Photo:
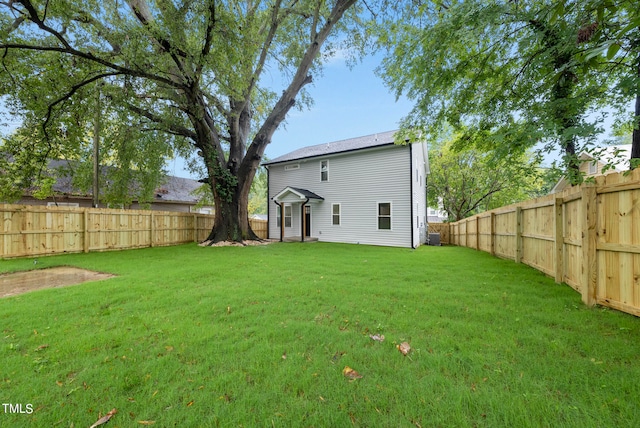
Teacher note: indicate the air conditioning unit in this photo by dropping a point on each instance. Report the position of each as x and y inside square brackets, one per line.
[434, 239]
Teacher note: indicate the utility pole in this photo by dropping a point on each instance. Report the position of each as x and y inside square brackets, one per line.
[96, 153]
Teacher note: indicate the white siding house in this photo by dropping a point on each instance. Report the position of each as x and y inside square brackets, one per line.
[364, 190]
[615, 158]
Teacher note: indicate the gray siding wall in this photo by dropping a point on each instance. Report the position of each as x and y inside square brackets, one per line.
[420, 160]
[358, 181]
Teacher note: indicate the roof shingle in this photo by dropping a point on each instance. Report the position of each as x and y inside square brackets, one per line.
[365, 142]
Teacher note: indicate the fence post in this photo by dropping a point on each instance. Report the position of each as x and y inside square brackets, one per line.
[518, 256]
[477, 232]
[86, 230]
[589, 261]
[151, 228]
[559, 239]
[492, 231]
[195, 228]
[466, 233]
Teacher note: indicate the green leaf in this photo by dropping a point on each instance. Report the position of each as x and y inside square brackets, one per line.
[613, 50]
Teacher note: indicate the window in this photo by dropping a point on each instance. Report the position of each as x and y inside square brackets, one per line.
[287, 216]
[384, 216]
[324, 170]
[593, 167]
[335, 214]
[208, 211]
[292, 167]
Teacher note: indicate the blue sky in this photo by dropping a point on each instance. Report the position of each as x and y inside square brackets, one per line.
[347, 103]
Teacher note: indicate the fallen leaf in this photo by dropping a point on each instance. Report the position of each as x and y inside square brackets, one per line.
[284, 355]
[404, 347]
[41, 347]
[103, 420]
[377, 337]
[351, 373]
[190, 403]
[146, 422]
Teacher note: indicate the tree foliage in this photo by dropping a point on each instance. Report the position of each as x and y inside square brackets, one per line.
[464, 182]
[614, 35]
[515, 69]
[183, 76]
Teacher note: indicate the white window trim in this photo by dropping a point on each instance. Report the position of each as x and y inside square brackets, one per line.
[593, 167]
[339, 214]
[328, 178]
[290, 215]
[279, 216]
[390, 215]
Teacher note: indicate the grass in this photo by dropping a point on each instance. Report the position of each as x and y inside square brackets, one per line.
[191, 336]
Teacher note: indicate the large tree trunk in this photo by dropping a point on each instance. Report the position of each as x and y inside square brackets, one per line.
[231, 213]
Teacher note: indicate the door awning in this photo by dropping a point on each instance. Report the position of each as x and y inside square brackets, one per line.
[295, 194]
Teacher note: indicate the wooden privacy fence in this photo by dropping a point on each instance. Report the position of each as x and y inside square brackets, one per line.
[442, 229]
[37, 230]
[587, 237]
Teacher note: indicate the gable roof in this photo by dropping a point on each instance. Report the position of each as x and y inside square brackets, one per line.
[615, 156]
[342, 146]
[170, 189]
[300, 193]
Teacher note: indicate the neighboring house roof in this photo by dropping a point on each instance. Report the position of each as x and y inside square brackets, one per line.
[172, 189]
[617, 157]
[342, 146]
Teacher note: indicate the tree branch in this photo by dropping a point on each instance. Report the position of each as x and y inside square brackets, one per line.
[91, 57]
[75, 88]
[141, 10]
[208, 37]
[172, 128]
[33, 17]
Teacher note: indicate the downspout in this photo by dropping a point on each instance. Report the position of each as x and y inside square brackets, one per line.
[268, 210]
[281, 219]
[411, 192]
[304, 220]
[427, 171]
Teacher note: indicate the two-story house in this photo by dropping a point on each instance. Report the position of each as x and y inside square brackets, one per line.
[364, 190]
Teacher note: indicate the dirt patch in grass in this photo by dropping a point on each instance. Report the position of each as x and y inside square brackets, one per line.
[23, 282]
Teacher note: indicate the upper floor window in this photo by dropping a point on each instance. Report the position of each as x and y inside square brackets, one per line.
[324, 170]
[593, 167]
[292, 167]
[384, 216]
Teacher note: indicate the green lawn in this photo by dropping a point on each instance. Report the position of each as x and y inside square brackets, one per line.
[196, 337]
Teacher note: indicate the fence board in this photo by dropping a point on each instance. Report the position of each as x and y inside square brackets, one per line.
[442, 229]
[29, 231]
[587, 237]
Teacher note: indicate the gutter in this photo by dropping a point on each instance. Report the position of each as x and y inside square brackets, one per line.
[304, 218]
[281, 219]
[268, 210]
[411, 192]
